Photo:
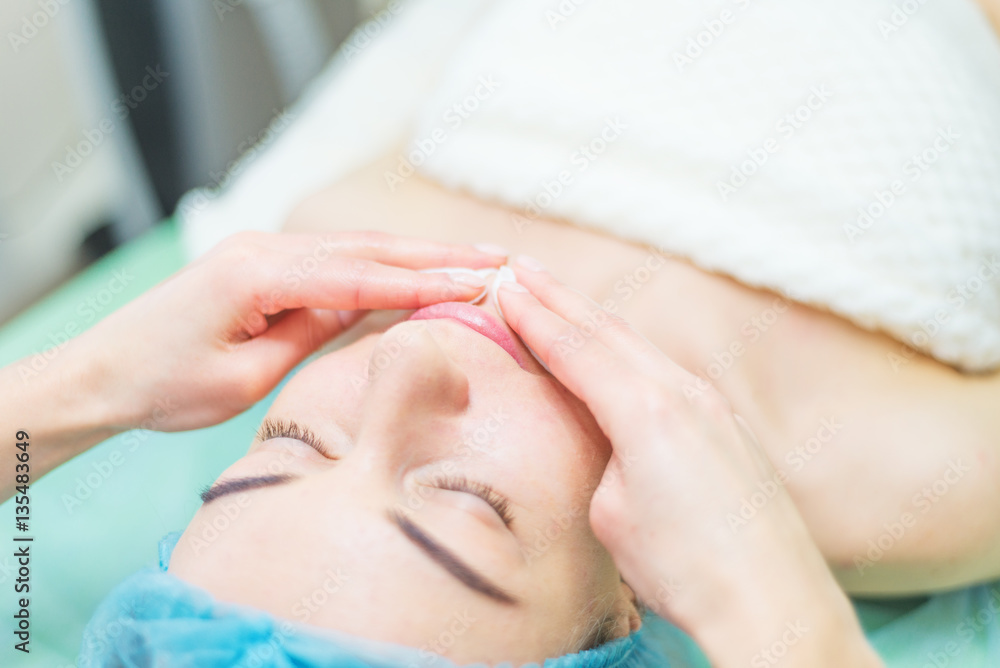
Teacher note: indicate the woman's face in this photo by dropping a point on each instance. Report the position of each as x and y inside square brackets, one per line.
[381, 530]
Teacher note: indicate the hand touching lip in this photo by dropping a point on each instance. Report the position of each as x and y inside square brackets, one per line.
[475, 319]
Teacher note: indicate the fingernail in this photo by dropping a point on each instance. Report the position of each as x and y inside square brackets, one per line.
[506, 280]
[463, 276]
[470, 280]
[529, 262]
[492, 249]
[504, 275]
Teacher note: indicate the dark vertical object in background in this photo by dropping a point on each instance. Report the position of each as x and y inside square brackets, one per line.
[99, 242]
[134, 44]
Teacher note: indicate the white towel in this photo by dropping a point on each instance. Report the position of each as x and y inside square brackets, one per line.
[844, 153]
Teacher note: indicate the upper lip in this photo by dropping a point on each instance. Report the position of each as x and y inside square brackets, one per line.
[477, 320]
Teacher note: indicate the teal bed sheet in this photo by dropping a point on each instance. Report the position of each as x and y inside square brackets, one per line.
[98, 518]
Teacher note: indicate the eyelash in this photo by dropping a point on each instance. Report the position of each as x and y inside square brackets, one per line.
[287, 429]
[462, 484]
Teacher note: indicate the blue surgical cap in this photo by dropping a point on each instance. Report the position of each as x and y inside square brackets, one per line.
[156, 619]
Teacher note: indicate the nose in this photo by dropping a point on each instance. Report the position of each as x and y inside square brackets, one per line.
[415, 400]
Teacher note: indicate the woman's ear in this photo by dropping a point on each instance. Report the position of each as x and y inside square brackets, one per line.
[630, 616]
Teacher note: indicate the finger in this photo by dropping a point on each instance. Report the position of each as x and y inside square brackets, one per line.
[343, 283]
[593, 320]
[586, 366]
[385, 248]
[296, 336]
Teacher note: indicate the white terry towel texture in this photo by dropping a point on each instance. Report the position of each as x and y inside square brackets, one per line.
[846, 154]
[361, 107]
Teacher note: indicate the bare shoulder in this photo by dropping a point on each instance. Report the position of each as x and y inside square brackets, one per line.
[894, 460]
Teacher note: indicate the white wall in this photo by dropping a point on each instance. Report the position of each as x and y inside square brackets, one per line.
[229, 75]
[66, 162]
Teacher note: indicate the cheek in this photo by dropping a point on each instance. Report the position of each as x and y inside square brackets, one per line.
[554, 457]
[222, 542]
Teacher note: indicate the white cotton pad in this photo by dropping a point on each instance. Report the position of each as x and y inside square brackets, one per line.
[451, 271]
[504, 274]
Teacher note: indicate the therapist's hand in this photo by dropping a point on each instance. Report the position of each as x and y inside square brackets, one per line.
[216, 337]
[748, 592]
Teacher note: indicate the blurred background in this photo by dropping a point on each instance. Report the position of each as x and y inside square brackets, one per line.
[112, 109]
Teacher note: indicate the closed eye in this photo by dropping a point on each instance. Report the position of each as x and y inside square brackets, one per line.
[499, 502]
[271, 428]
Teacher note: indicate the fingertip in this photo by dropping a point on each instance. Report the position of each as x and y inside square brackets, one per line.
[468, 280]
[511, 286]
[530, 276]
[504, 276]
[530, 263]
[492, 249]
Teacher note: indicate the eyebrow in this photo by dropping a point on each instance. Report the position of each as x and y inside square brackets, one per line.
[269, 428]
[458, 568]
[445, 558]
[234, 485]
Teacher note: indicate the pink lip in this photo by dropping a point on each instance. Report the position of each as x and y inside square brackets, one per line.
[475, 319]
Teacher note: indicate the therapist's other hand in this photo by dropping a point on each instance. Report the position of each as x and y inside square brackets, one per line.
[681, 466]
[216, 337]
